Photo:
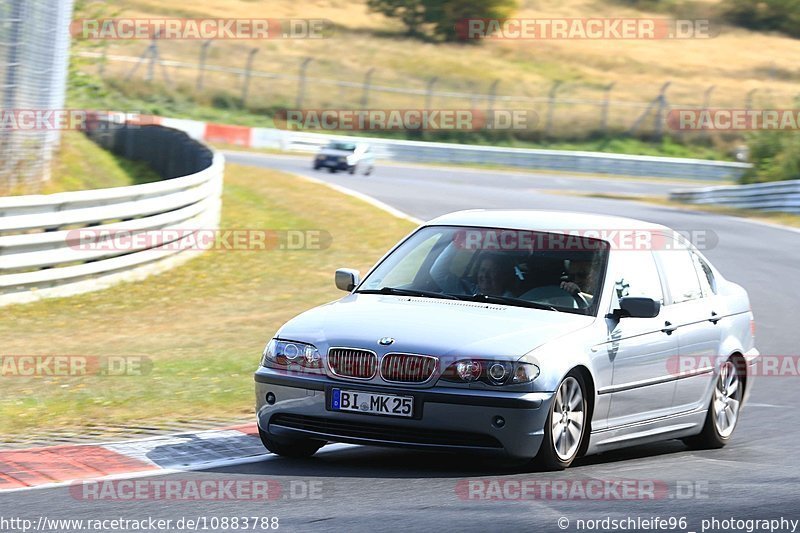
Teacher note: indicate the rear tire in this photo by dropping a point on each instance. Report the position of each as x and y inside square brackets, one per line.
[294, 448]
[723, 412]
[565, 428]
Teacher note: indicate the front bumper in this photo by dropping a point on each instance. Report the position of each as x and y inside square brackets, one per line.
[751, 359]
[334, 164]
[450, 419]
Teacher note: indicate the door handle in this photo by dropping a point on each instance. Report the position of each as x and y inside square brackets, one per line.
[669, 327]
[714, 318]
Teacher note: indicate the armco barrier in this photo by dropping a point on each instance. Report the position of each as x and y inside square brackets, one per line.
[559, 160]
[38, 257]
[434, 152]
[774, 196]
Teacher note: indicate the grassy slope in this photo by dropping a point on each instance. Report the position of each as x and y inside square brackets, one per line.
[79, 164]
[203, 324]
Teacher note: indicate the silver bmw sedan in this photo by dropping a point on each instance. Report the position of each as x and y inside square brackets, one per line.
[540, 335]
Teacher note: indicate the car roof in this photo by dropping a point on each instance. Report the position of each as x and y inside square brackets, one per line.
[541, 220]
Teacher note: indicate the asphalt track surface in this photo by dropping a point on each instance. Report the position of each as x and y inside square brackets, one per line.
[757, 476]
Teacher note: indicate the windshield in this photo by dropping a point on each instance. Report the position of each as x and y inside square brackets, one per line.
[512, 267]
[348, 147]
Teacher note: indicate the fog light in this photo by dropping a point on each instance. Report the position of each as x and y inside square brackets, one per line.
[498, 422]
[270, 398]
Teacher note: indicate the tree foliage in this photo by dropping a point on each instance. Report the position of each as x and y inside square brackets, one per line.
[775, 156]
[765, 15]
[441, 18]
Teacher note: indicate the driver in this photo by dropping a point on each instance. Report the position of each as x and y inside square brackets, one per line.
[580, 278]
[494, 275]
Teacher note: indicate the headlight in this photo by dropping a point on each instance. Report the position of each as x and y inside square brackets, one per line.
[320, 157]
[291, 355]
[342, 159]
[491, 372]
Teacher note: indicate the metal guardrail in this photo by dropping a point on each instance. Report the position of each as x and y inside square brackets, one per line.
[558, 160]
[774, 196]
[39, 255]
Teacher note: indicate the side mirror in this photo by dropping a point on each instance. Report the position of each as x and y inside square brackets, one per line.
[636, 307]
[347, 279]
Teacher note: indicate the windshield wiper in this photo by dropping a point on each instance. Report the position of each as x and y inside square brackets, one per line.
[409, 292]
[508, 300]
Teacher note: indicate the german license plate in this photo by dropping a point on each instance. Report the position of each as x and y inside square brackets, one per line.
[372, 403]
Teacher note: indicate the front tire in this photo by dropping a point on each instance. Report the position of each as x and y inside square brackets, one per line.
[294, 448]
[566, 425]
[723, 413]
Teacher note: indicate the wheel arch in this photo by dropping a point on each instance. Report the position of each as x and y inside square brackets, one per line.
[591, 397]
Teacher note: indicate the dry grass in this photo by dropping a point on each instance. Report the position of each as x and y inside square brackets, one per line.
[735, 62]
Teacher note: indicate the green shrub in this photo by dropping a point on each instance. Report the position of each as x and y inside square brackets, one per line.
[775, 156]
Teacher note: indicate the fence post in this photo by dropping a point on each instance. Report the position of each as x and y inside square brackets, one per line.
[658, 126]
[201, 68]
[152, 51]
[748, 99]
[101, 71]
[247, 70]
[550, 107]
[367, 83]
[301, 87]
[604, 110]
[707, 97]
[429, 94]
[490, 105]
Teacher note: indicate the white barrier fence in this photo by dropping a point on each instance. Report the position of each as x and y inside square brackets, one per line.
[40, 255]
[774, 196]
[435, 152]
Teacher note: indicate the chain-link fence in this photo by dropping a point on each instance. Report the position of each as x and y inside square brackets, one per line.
[236, 78]
[34, 48]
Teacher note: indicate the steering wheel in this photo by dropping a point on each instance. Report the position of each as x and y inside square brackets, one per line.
[555, 295]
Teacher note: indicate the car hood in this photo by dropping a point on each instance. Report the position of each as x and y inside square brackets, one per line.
[430, 326]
